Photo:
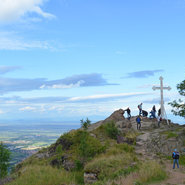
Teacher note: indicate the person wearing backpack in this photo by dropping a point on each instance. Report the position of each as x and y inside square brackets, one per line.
[138, 121]
[128, 113]
[140, 108]
[175, 156]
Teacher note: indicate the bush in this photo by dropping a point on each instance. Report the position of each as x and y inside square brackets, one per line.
[4, 160]
[78, 165]
[87, 146]
[85, 124]
[111, 130]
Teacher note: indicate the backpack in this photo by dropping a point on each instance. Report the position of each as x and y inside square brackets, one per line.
[138, 120]
[175, 155]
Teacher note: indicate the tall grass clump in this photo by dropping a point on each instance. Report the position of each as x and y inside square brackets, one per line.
[109, 166]
[144, 174]
[43, 175]
[182, 160]
[111, 130]
[151, 172]
[86, 146]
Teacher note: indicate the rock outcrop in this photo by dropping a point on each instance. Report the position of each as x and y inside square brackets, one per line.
[116, 116]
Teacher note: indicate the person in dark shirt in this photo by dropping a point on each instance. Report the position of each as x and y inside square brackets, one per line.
[140, 108]
[159, 112]
[144, 113]
[128, 113]
[154, 111]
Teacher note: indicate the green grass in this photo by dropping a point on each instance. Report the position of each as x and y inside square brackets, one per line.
[170, 134]
[182, 160]
[43, 175]
[115, 162]
[142, 174]
[151, 172]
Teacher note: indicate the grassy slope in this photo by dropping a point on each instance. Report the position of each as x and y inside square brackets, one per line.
[94, 152]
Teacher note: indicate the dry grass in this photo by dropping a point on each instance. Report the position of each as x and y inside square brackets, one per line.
[148, 172]
[43, 175]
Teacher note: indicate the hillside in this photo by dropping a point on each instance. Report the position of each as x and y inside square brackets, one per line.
[110, 152]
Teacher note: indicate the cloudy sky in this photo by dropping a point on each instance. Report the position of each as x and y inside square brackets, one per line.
[68, 59]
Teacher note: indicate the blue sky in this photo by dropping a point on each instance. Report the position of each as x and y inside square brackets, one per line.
[67, 59]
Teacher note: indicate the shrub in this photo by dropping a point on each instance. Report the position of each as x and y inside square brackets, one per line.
[85, 124]
[111, 130]
[4, 160]
[87, 146]
[78, 165]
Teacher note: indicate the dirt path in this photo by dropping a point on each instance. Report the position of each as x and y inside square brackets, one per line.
[175, 176]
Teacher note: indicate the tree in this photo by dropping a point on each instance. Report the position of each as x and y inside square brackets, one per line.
[4, 160]
[85, 124]
[179, 105]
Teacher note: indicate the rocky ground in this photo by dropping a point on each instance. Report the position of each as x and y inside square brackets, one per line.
[155, 142]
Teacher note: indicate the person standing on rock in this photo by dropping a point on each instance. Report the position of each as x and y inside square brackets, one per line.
[175, 156]
[138, 121]
[154, 111]
[159, 112]
[140, 108]
[128, 113]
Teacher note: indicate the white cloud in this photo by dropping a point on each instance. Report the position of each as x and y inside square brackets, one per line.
[63, 86]
[28, 108]
[1, 111]
[14, 9]
[18, 44]
[106, 96]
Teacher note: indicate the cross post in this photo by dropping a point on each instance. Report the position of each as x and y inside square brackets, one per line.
[161, 88]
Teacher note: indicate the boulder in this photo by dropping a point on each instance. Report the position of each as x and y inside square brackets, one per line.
[121, 139]
[90, 178]
[116, 116]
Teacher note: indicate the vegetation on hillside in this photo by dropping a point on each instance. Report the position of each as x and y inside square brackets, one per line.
[179, 105]
[4, 160]
[91, 152]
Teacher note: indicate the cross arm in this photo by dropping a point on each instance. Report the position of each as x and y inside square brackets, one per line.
[155, 88]
[168, 88]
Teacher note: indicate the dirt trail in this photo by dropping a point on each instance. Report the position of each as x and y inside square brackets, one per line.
[175, 176]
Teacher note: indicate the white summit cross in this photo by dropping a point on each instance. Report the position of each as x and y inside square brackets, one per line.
[162, 98]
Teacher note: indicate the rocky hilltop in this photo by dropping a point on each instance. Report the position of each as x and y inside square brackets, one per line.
[111, 151]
